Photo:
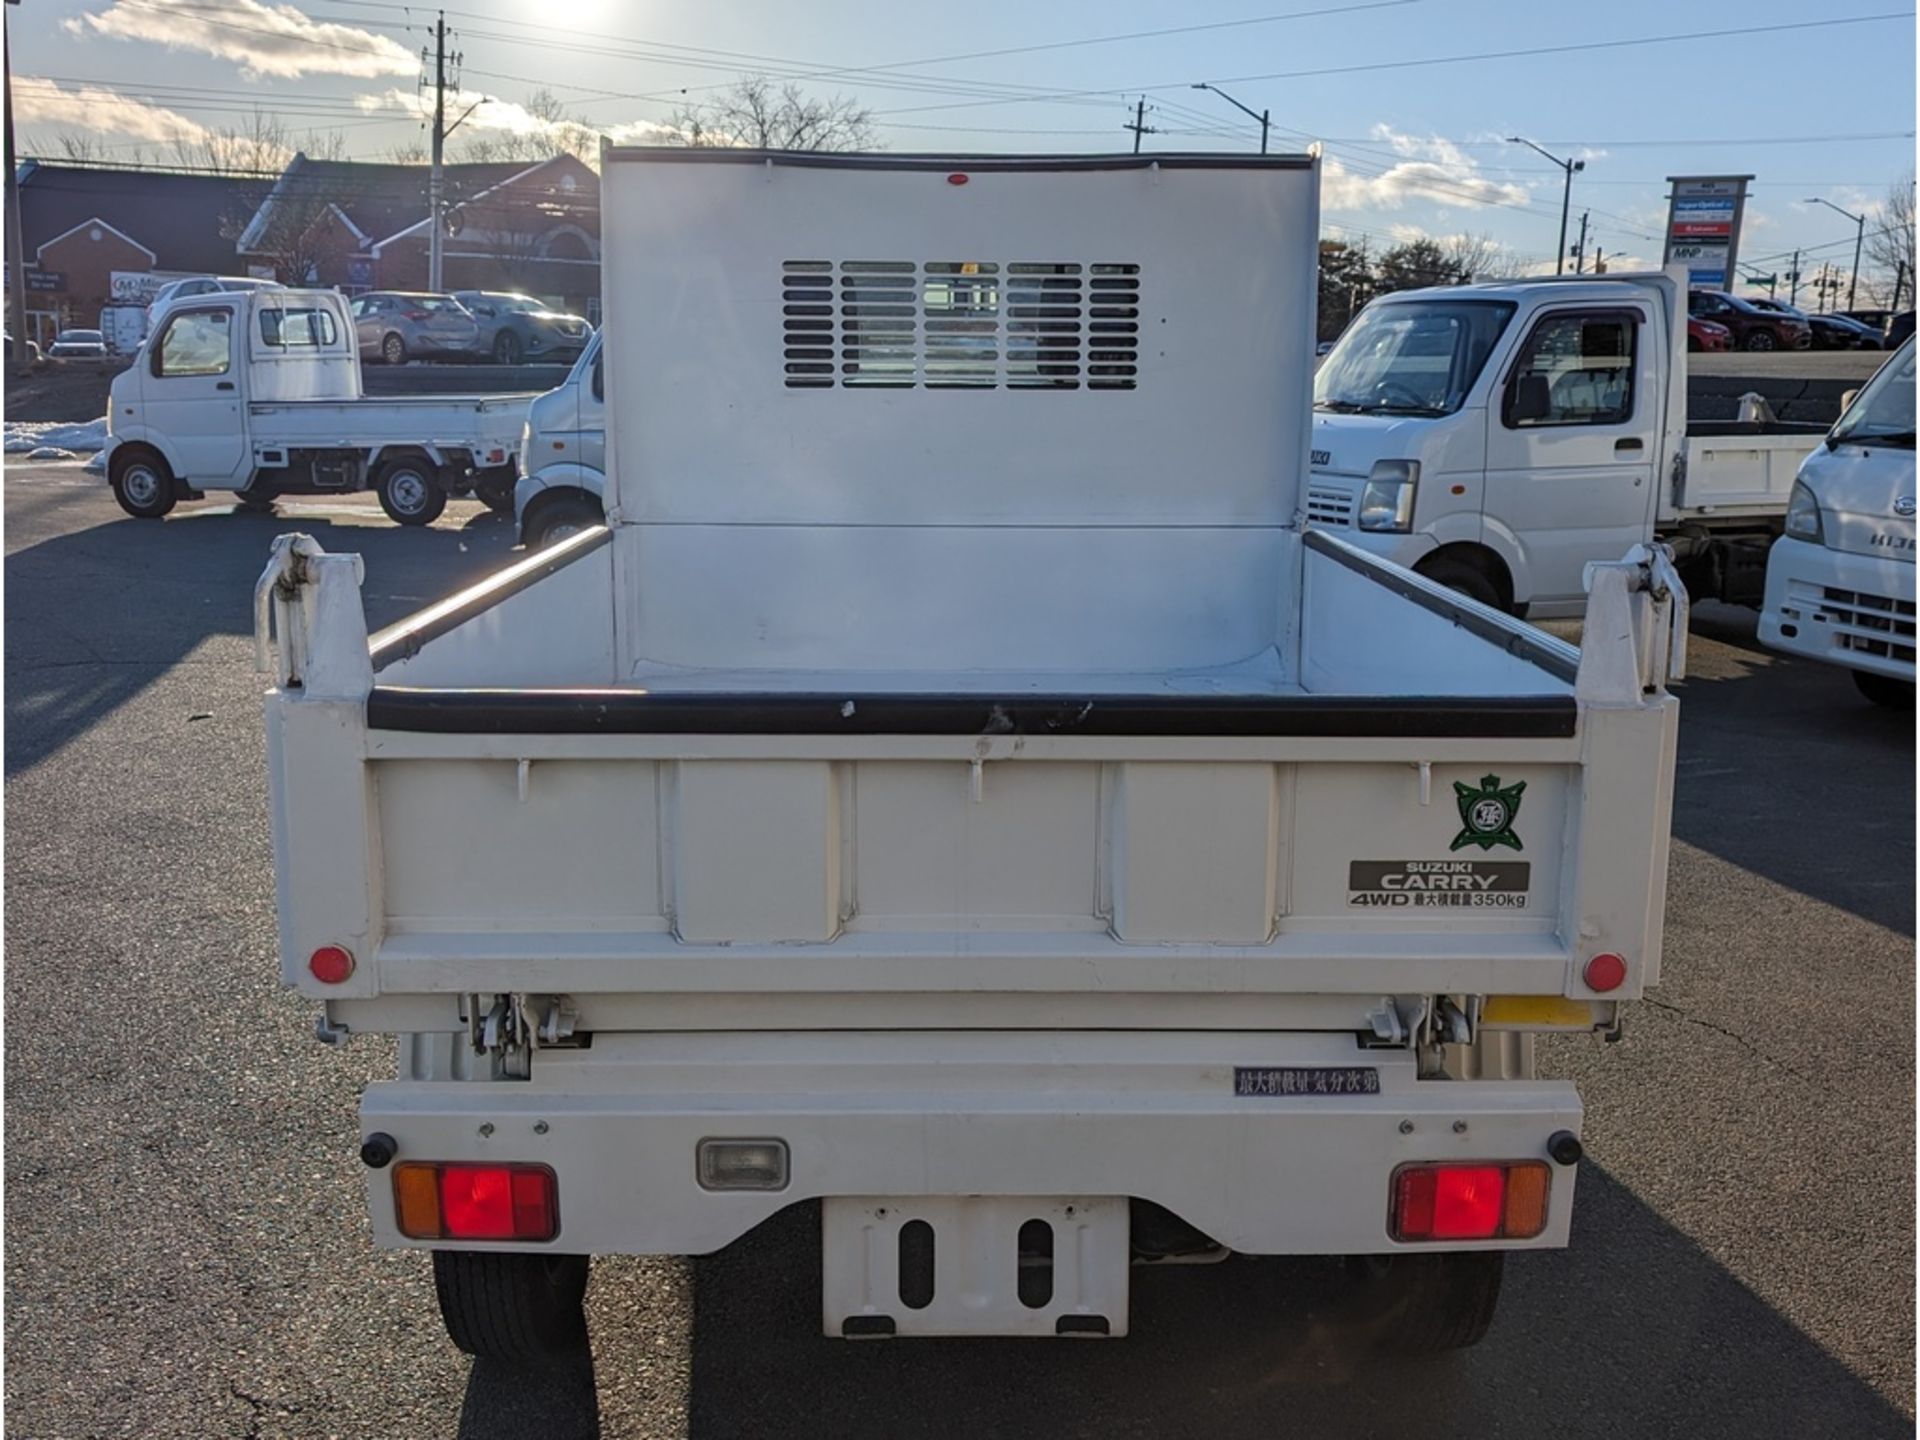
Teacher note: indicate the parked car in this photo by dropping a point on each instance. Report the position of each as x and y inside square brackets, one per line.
[79, 345]
[395, 326]
[1830, 331]
[1705, 335]
[205, 285]
[1753, 328]
[33, 350]
[514, 328]
[1875, 320]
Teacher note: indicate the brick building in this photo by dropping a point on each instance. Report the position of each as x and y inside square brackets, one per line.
[100, 235]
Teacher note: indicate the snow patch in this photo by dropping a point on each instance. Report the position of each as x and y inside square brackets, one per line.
[51, 452]
[29, 438]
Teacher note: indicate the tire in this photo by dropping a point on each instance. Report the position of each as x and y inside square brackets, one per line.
[1760, 340]
[506, 348]
[519, 1309]
[557, 519]
[1430, 1304]
[260, 504]
[1694, 345]
[143, 484]
[409, 491]
[1463, 579]
[1884, 690]
[494, 489]
[393, 350]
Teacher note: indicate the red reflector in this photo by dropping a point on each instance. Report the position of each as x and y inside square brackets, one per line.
[956, 179]
[1449, 1202]
[1605, 972]
[498, 1202]
[330, 964]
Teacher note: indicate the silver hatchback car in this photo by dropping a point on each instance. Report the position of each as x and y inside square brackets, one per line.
[395, 326]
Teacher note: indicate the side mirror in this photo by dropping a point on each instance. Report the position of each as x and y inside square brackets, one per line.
[1529, 400]
[1847, 397]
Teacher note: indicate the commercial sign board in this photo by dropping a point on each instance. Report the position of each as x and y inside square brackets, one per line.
[54, 280]
[1703, 227]
[134, 287]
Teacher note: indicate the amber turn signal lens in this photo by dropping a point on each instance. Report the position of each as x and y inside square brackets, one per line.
[1526, 1213]
[416, 1201]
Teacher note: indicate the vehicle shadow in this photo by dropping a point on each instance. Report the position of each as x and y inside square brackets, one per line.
[1786, 771]
[557, 1402]
[1634, 1330]
[95, 616]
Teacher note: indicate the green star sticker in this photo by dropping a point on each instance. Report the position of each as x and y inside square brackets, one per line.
[1486, 814]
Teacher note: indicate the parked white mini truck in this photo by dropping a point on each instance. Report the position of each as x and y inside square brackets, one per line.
[958, 790]
[563, 455]
[1840, 582]
[1498, 438]
[259, 392]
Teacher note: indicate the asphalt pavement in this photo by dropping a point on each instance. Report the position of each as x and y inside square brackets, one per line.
[186, 1245]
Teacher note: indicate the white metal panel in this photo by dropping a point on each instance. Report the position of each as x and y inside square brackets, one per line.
[937, 600]
[476, 841]
[755, 850]
[930, 856]
[1735, 475]
[1197, 852]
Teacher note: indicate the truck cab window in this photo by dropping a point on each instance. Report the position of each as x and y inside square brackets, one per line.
[1575, 369]
[1417, 357]
[195, 343]
[304, 329]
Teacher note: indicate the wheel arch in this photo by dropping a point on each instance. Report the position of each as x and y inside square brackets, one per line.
[1482, 558]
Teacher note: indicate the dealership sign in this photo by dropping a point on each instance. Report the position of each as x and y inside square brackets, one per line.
[1703, 227]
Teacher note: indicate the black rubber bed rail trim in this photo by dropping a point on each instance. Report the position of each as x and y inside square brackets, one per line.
[1516, 637]
[398, 642]
[636, 712]
[979, 164]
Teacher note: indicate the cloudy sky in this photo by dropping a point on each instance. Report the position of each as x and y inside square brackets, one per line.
[1413, 99]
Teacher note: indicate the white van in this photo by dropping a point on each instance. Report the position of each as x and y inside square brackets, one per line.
[1840, 581]
[563, 456]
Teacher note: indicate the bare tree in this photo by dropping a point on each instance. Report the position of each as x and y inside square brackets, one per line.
[297, 231]
[760, 115]
[554, 132]
[1890, 243]
[1474, 257]
[85, 148]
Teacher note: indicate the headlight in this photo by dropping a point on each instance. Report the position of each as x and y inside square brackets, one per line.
[1387, 501]
[1803, 515]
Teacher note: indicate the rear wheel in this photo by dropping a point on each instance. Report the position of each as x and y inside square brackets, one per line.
[1760, 340]
[393, 349]
[410, 492]
[1885, 690]
[513, 1308]
[494, 488]
[506, 348]
[1463, 579]
[1429, 1304]
[142, 483]
[557, 519]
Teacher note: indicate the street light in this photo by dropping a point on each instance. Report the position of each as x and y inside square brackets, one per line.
[1566, 198]
[1262, 116]
[1859, 238]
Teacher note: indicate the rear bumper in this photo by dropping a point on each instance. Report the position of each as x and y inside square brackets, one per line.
[1850, 610]
[1150, 1115]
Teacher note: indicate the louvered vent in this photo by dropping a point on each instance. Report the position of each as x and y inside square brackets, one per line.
[961, 324]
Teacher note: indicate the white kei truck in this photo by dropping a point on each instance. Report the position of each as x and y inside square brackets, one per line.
[563, 455]
[1840, 582]
[259, 392]
[959, 789]
[1498, 438]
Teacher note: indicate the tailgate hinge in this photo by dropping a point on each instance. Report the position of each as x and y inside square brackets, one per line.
[516, 1025]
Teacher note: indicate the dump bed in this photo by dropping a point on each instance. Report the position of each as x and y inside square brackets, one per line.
[955, 656]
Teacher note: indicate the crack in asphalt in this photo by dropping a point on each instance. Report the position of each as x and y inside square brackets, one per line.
[1733, 1035]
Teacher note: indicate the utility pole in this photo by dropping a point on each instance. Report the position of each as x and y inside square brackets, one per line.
[1265, 117]
[1566, 197]
[1793, 279]
[436, 242]
[1139, 125]
[1580, 250]
[16, 242]
[1859, 239]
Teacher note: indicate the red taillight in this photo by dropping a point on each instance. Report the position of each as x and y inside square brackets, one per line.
[1469, 1202]
[1605, 972]
[331, 964]
[476, 1202]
